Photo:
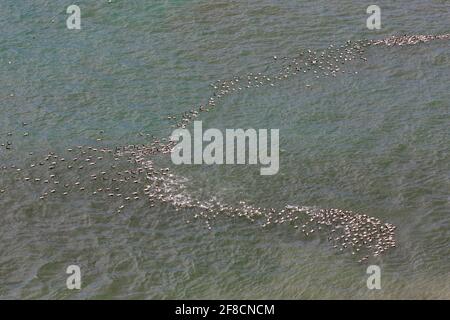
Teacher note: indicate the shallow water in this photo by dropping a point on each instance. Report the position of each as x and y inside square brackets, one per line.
[375, 142]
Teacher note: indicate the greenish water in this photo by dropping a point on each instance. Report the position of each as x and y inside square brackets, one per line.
[376, 142]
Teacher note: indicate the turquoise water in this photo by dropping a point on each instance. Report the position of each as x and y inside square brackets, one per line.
[375, 142]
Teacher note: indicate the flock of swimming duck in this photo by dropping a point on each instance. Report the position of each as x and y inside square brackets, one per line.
[128, 174]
